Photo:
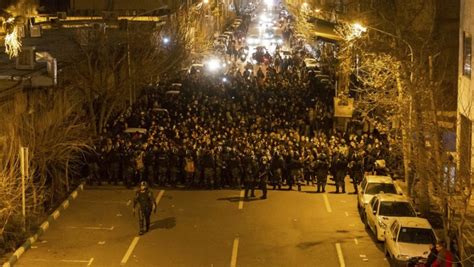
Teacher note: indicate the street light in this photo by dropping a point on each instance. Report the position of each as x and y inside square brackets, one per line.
[166, 40]
[358, 29]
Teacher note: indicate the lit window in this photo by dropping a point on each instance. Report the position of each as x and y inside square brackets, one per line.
[467, 52]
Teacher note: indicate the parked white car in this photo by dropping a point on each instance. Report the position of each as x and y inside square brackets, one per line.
[383, 209]
[407, 238]
[372, 185]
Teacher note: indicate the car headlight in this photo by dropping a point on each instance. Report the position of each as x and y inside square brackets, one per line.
[403, 257]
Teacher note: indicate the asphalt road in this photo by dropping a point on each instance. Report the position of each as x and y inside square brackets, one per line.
[209, 228]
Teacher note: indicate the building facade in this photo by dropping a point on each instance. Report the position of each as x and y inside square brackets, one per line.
[465, 116]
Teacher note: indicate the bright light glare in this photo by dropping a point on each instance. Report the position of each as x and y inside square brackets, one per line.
[357, 31]
[269, 2]
[224, 79]
[213, 64]
[358, 27]
[205, 1]
[166, 40]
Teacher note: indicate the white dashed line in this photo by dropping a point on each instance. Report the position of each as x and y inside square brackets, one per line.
[160, 195]
[356, 241]
[347, 213]
[340, 255]
[90, 262]
[130, 250]
[235, 248]
[326, 202]
[241, 201]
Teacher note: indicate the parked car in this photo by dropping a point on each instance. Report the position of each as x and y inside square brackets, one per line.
[372, 185]
[383, 209]
[408, 238]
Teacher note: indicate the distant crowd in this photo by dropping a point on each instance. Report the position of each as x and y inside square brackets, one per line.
[270, 126]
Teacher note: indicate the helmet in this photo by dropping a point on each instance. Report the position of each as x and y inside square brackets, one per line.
[144, 183]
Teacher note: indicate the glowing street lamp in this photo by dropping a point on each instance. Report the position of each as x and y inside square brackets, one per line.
[358, 29]
[166, 40]
[213, 65]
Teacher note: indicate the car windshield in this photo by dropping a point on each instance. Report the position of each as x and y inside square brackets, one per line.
[375, 188]
[416, 235]
[397, 209]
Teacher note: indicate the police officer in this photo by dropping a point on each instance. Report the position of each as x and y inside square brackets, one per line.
[277, 167]
[250, 167]
[263, 173]
[322, 172]
[146, 202]
[357, 170]
[341, 171]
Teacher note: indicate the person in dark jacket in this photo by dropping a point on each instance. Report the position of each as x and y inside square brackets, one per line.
[146, 203]
[322, 172]
[341, 172]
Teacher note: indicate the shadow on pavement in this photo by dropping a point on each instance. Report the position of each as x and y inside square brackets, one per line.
[231, 199]
[306, 245]
[166, 223]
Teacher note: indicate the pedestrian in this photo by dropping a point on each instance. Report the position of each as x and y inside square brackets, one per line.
[263, 173]
[146, 203]
[341, 171]
[322, 172]
[444, 257]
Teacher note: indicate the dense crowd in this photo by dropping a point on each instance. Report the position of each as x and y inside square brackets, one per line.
[239, 128]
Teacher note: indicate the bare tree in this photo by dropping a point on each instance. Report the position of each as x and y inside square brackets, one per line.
[398, 83]
[52, 130]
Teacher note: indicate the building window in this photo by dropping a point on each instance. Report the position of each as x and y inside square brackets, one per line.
[467, 52]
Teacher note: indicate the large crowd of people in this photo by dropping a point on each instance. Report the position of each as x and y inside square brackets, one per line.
[245, 127]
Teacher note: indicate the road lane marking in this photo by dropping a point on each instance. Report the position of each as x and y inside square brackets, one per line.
[235, 248]
[326, 202]
[347, 214]
[241, 201]
[92, 228]
[90, 262]
[68, 261]
[130, 250]
[102, 202]
[339, 255]
[160, 195]
[356, 241]
[129, 202]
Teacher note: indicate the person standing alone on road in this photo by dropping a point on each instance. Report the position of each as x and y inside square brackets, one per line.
[146, 202]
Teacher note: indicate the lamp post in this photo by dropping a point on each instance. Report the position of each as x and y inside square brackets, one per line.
[165, 41]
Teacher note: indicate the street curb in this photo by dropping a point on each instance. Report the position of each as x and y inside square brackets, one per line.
[43, 227]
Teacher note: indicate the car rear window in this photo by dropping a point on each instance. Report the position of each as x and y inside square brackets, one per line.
[416, 235]
[376, 188]
[396, 209]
